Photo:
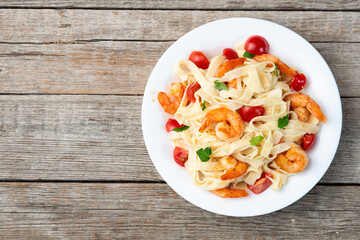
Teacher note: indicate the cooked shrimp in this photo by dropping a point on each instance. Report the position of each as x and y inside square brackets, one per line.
[229, 193]
[177, 90]
[280, 65]
[302, 113]
[227, 66]
[229, 123]
[303, 100]
[233, 167]
[233, 83]
[295, 160]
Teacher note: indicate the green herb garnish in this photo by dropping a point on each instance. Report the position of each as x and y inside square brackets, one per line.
[220, 85]
[276, 70]
[181, 129]
[256, 140]
[203, 105]
[283, 122]
[204, 154]
[248, 55]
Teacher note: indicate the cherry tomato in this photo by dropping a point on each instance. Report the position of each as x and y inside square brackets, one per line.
[191, 91]
[230, 53]
[261, 184]
[298, 82]
[199, 59]
[307, 141]
[180, 156]
[256, 45]
[171, 124]
[247, 113]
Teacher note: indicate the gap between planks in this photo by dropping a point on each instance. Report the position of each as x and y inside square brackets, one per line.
[183, 9]
[82, 41]
[136, 182]
[105, 94]
[225, 5]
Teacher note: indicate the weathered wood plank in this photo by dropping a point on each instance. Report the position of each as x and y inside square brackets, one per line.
[70, 137]
[154, 211]
[47, 25]
[123, 67]
[188, 4]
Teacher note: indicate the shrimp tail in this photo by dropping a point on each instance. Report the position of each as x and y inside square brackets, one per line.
[314, 109]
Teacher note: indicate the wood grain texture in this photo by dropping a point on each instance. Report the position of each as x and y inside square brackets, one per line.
[91, 137]
[189, 4]
[123, 67]
[154, 211]
[48, 25]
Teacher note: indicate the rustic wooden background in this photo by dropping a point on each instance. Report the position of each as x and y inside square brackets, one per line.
[73, 164]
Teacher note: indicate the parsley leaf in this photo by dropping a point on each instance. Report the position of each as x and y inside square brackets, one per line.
[248, 55]
[220, 85]
[204, 154]
[283, 122]
[203, 106]
[181, 129]
[276, 70]
[256, 140]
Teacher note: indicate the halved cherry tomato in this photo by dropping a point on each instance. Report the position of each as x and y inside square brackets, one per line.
[261, 184]
[256, 45]
[230, 53]
[180, 156]
[171, 124]
[191, 91]
[266, 174]
[298, 81]
[247, 113]
[199, 59]
[307, 141]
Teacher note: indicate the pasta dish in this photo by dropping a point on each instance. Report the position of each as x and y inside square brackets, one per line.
[240, 121]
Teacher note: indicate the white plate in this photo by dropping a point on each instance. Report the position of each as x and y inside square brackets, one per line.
[292, 49]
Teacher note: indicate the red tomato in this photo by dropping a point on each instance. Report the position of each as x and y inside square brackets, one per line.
[265, 174]
[261, 184]
[180, 156]
[247, 113]
[307, 141]
[191, 91]
[256, 45]
[230, 53]
[171, 124]
[298, 81]
[199, 59]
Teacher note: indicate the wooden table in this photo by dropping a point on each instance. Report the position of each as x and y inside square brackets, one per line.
[73, 160]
